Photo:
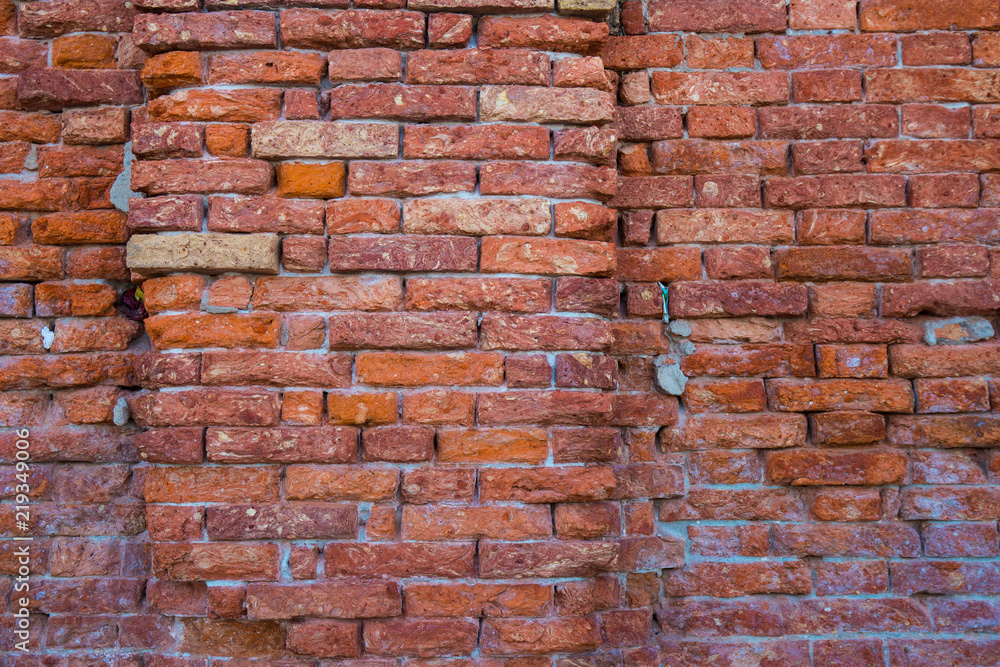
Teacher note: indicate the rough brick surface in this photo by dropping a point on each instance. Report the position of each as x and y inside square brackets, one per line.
[502, 333]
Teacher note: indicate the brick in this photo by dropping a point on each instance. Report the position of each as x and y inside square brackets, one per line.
[894, 15]
[970, 297]
[412, 178]
[303, 482]
[509, 636]
[327, 293]
[952, 261]
[717, 16]
[377, 64]
[330, 639]
[213, 31]
[545, 105]
[718, 88]
[204, 253]
[736, 299]
[893, 156]
[284, 369]
[641, 51]
[545, 33]
[31, 263]
[83, 52]
[818, 395]
[913, 361]
[189, 408]
[739, 579]
[399, 330]
[551, 559]
[835, 191]
[581, 220]
[351, 29]
[53, 89]
[824, 157]
[401, 369]
[266, 67]
[931, 85]
[325, 600]
[547, 485]
[546, 256]
[827, 86]
[257, 214]
[932, 226]
[719, 53]
[544, 332]
[423, 638]
[362, 215]
[195, 176]
[174, 69]
[699, 157]
[315, 139]
[659, 264]
[446, 30]
[929, 121]
[844, 263]
[80, 227]
[939, 48]
[38, 19]
[470, 142]
[308, 180]
[478, 66]
[721, 122]
[822, 14]
[649, 123]
[400, 559]
[861, 121]
[812, 468]
[415, 103]
[490, 600]
[503, 294]
[819, 51]
[428, 485]
[720, 226]
[498, 522]
[403, 253]
[482, 217]
[200, 562]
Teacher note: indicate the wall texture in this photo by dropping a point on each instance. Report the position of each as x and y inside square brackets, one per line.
[422, 278]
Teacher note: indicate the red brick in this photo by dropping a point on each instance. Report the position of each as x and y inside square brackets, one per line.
[478, 66]
[53, 89]
[930, 121]
[719, 53]
[474, 142]
[402, 330]
[422, 638]
[445, 30]
[400, 559]
[327, 293]
[931, 85]
[200, 562]
[625, 53]
[717, 16]
[649, 123]
[901, 16]
[736, 299]
[822, 14]
[719, 226]
[508, 636]
[737, 88]
[737, 579]
[700, 157]
[416, 103]
[352, 29]
[503, 294]
[330, 639]
[545, 33]
[411, 179]
[935, 156]
[820, 51]
[861, 121]
[402, 253]
[583, 558]
[939, 48]
[544, 332]
[721, 122]
[217, 30]
[195, 176]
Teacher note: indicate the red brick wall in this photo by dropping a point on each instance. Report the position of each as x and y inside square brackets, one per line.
[404, 393]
